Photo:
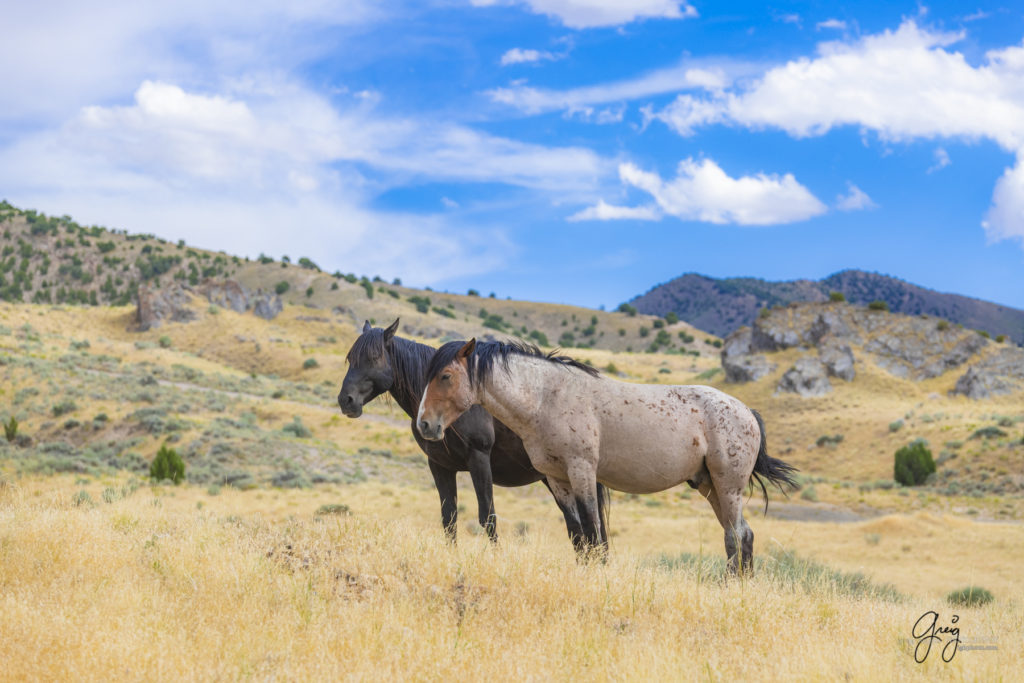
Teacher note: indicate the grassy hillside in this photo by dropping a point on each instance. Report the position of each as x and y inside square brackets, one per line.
[49, 260]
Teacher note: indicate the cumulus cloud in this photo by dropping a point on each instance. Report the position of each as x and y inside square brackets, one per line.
[208, 167]
[106, 49]
[1005, 218]
[702, 191]
[855, 199]
[583, 14]
[609, 212]
[905, 84]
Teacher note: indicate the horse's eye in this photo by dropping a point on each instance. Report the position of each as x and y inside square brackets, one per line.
[446, 376]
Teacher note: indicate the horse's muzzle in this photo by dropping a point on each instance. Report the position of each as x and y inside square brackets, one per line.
[431, 432]
[348, 405]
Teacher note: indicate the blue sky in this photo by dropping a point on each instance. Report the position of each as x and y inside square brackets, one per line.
[578, 151]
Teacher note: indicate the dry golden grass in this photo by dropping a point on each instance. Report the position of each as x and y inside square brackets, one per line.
[155, 587]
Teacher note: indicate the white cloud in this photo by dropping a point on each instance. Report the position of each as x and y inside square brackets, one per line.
[609, 212]
[907, 84]
[1005, 218]
[702, 191]
[285, 168]
[855, 199]
[837, 24]
[520, 56]
[598, 13]
[101, 50]
[693, 75]
[942, 160]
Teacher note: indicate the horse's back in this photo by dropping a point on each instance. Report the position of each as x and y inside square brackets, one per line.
[657, 436]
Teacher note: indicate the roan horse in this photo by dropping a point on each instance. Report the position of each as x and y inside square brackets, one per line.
[580, 429]
[381, 362]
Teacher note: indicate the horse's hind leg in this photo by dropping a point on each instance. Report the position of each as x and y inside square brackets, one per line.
[739, 537]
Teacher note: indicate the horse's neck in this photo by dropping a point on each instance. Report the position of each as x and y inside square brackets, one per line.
[409, 366]
[514, 397]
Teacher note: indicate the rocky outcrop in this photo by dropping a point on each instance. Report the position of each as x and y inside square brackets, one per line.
[266, 305]
[226, 294]
[1001, 373]
[807, 377]
[838, 360]
[154, 306]
[911, 347]
[739, 363]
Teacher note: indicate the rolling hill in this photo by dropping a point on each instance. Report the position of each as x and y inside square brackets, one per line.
[721, 306]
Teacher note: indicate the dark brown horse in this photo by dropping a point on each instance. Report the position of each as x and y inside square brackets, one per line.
[381, 362]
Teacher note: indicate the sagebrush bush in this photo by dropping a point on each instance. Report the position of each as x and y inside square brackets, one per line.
[913, 463]
[167, 465]
[971, 596]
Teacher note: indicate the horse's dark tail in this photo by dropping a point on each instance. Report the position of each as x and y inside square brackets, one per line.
[777, 472]
[604, 501]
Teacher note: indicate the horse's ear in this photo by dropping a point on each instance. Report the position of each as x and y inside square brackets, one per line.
[390, 331]
[467, 349]
[366, 326]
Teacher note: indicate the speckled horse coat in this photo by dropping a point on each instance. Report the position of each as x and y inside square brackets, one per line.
[579, 429]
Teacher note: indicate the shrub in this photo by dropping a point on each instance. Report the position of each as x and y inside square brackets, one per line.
[309, 291]
[837, 297]
[971, 596]
[913, 463]
[764, 313]
[658, 324]
[627, 309]
[988, 433]
[333, 509]
[422, 303]
[942, 325]
[896, 426]
[296, 428]
[809, 494]
[282, 287]
[167, 465]
[685, 338]
[64, 407]
[878, 305]
[826, 440]
[165, 342]
[472, 292]
[539, 337]
[611, 369]
[11, 429]
[644, 331]
[671, 317]
[309, 364]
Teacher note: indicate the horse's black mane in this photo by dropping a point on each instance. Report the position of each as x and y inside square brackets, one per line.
[408, 361]
[485, 354]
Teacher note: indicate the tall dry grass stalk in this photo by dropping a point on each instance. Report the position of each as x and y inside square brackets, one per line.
[135, 590]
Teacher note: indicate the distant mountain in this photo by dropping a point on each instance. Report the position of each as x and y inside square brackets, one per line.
[721, 306]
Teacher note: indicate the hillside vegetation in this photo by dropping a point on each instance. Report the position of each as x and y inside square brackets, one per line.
[722, 305]
[47, 260]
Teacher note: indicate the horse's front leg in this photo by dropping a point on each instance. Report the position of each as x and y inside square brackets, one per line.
[567, 504]
[444, 480]
[583, 481]
[483, 484]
